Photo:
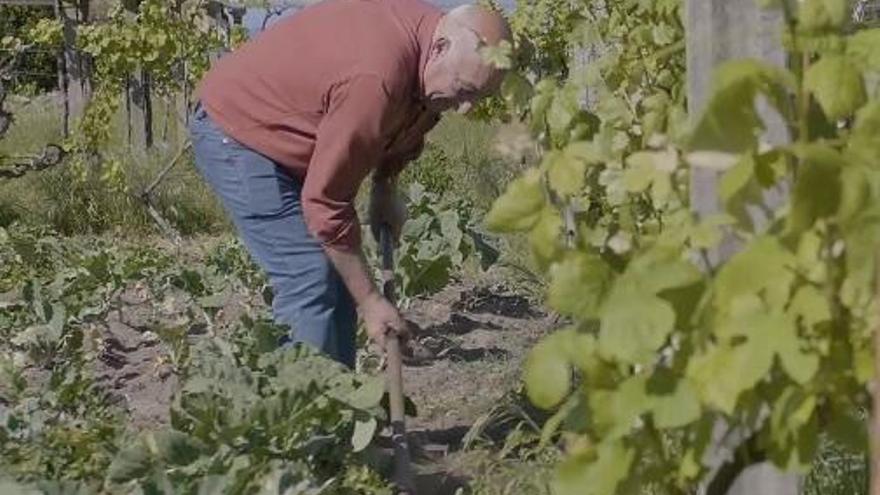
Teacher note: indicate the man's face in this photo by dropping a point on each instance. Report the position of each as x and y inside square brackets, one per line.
[455, 75]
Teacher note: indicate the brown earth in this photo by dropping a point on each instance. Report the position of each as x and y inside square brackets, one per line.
[470, 339]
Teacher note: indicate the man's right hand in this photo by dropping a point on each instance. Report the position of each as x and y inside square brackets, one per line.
[381, 318]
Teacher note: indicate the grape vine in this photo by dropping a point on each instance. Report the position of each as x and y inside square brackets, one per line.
[777, 341]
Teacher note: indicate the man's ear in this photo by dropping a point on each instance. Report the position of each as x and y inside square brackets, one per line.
[440, 47]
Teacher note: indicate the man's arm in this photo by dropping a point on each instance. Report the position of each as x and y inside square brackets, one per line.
[350, 141]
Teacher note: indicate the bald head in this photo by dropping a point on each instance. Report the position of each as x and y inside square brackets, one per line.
[488, 25]
[456, 74]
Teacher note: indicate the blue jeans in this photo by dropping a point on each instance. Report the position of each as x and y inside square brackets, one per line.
[263, 200]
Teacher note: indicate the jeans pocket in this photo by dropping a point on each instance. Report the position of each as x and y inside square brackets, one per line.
[262, 188]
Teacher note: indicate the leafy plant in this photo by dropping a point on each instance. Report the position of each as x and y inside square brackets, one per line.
[436, 240]
[774, 344]
[248, 416]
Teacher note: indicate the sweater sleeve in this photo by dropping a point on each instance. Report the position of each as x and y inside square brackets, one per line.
[350, 142]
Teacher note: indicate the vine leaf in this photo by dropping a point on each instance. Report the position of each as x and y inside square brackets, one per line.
[837, 85]
[519, 208]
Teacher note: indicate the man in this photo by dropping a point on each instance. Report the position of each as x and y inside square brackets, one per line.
[289, 125]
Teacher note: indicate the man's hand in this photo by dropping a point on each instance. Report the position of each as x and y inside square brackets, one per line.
[387, 207]
[381, 318]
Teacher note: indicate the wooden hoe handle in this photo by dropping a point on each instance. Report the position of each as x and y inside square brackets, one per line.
[403, 476]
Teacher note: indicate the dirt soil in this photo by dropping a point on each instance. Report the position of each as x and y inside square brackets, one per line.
[470, 341]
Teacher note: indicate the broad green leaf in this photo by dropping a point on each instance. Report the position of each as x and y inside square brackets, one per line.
[617, 411]
[817, 190]
[722, 373]
[855, 191]
[810, 305]
[674, 404]
[819, 15]
[774, 331]
[837, 85]
[516, 91]
[640, 173]
[582, 475]
[578, 285]
[547, 373]
[561, 114]
[363, 433]
[582, 351]
[660, 269]
[801, 365]
[839, 11]
[565, 173]
[634, 326]
[545, 239]
[793, 430]
[861, 47]
[763, 265]
[519, 208]
[498, 56]
[730, 122]
[865, 140]
[736, 178]
[369, 394]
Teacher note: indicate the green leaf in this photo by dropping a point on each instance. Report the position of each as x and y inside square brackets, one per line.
[578, 285]
[817, 189]
[582, 475]
[131, 463]
[634, 326]
[519, 208]
[810, 305]
[565, 173]
[799, 364]
[730, 122]
[363, 433]
[174, 447]
[736, 178]
[822, 15]
[722, 373]
[547, 373]
[369, 394]
[545, 239]
[674, 404]
[561, 114]
[793, 430]
[640, 173]
[837, 85]
[865, 140]
[516, 91]
[861, 47]
[617, 411]
[855, 191]
[763, 266]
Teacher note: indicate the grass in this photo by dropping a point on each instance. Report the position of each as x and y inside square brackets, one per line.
[57, 198]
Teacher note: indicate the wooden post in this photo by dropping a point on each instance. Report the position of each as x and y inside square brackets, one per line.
[75, 77]
[717, 31]
[140, 103]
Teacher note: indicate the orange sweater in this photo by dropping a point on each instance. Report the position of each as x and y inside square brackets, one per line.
[330, 93]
